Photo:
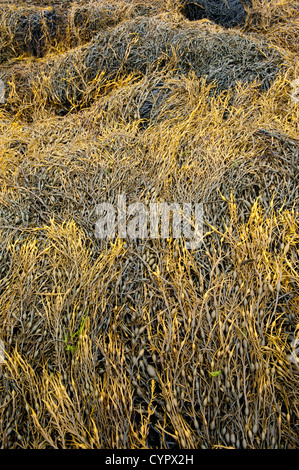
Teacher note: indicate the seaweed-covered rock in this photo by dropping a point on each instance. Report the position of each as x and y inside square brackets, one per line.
[153, 99]
[87, 20]
[30, 31]
[41, 27]
[227, 13]
[218, 56]
[223, 58]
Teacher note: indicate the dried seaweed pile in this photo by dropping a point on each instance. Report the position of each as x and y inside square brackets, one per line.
[144, 343]
[225, 57]
[28, 30]
[277, 20]
[142, 45]
[37, 30]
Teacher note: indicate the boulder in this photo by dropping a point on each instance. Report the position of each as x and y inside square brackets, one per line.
[226, 13]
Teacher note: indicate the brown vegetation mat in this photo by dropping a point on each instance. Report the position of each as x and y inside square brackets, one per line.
[140, 46]
[146, 344]
[39, 29]
[277, 20]
[26, 30]
[208, 50]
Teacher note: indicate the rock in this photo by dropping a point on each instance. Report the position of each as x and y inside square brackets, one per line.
[226, 13]
[153, 100]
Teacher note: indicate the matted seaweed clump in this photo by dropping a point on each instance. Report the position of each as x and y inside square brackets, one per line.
[85, 21]
[221, 57]
[33, 29]
[27, 30]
